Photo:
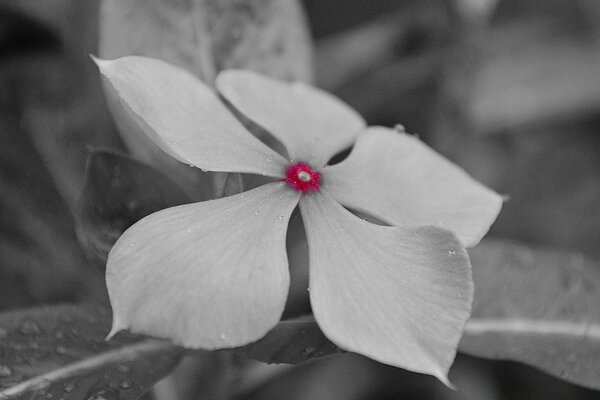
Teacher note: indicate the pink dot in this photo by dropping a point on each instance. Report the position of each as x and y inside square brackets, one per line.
[302, 177]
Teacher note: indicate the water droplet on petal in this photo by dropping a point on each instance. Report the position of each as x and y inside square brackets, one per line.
[280, 217]
[452, 252]
[400, 128]
[222, 336]
[257, 212]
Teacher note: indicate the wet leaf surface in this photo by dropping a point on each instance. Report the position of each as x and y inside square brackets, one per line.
[536, 306]
[60, 352]
[291, 342]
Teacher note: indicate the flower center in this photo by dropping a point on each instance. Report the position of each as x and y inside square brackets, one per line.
[302, 177]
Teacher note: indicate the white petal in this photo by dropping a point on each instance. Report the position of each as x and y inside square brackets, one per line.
[205, 275]
[400, 180]
[400, 296]
[312, 124]
[186, 119]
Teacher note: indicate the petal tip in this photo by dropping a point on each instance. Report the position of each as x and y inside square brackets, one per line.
[102, 64]
[116, 328]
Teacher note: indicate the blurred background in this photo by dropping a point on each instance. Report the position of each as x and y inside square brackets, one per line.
[508, 89]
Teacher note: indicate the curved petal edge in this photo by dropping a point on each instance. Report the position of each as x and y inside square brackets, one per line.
[186, 119]
[400, 296]
[206, 275]
[402, 181]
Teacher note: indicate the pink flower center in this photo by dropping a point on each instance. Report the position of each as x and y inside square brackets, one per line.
[302, 177]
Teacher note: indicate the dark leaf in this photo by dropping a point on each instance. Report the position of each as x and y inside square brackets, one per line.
[40, 259]
[60, 352]
[118, 192]
[50, 110]
[539, 307]
[291, 342]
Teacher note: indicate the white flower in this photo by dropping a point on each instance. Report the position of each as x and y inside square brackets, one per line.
[214, 274]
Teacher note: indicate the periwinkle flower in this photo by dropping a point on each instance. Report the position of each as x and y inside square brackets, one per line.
[214, 274]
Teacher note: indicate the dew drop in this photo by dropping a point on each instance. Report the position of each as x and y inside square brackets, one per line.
[5, 371]
[222, 336]
[257, 212]
[308, 351]
[126, 385]
[28, 327]
[123, 369]
[452, 252]
[400, 128]
[269, 159]
[69, 387]
[97, 396]
[61, 350]
[280, 217]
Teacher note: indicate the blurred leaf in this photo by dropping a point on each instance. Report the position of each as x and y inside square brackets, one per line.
[50, 110]
[536, 63]
[538, 307]
[205, 37]
[60, 352]
[40, 259]
[118, 192]
[388, 68]
[291, 342]
[202, 37]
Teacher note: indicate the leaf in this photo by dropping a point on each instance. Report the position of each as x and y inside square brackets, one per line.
[40, 259]
[118, 192]
[205, 37]
[60, 352]
[202, 37]
[538, 307]
[536, 65]
[290, 342]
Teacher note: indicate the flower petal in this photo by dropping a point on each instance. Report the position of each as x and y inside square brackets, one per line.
[400, 296]
[205, 275]
[186, 119]
[312, 124]
[400, 180]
